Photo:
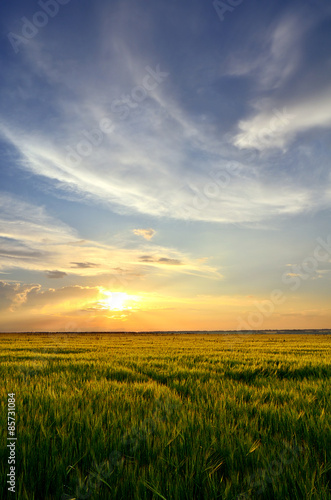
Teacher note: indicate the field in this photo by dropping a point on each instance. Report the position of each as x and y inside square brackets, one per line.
[167, 416]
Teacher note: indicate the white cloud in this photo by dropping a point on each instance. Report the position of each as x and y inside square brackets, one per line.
[23, 221]
[277, 120]
[30, 239]
[13, 295]
[277, 127]
[157, 161]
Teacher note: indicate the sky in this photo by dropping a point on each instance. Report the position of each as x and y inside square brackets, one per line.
[165, 165]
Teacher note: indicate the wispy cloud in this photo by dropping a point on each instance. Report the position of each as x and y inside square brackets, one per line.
[278, 127]
[149, 161]
[160, 260]
[83, 265]
[30, 239]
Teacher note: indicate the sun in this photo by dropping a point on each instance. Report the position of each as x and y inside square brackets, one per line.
[117, 301]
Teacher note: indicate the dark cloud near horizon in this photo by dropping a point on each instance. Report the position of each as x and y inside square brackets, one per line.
[83, 265]
[56, 274]
[161, 260]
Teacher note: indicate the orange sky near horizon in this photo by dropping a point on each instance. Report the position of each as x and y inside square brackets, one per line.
[120, 311]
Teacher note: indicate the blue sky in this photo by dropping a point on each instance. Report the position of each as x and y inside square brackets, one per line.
[168, 152]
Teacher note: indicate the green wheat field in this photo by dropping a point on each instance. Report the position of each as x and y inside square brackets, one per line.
[168, 416]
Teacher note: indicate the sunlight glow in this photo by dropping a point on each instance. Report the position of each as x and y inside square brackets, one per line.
[117, 301]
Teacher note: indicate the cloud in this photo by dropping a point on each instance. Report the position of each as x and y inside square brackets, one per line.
[161, 260]
[277, 127]
[83, 265]
[56, 274]
[146, 258]
[32, 298]
[8, 250]
[156, 160]
[279, 53]
[171, 262]
[300, 103]
[178, 262]
[260, 104]
[145, 233]
[13, 295]
[20, 220]
[32, 240]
